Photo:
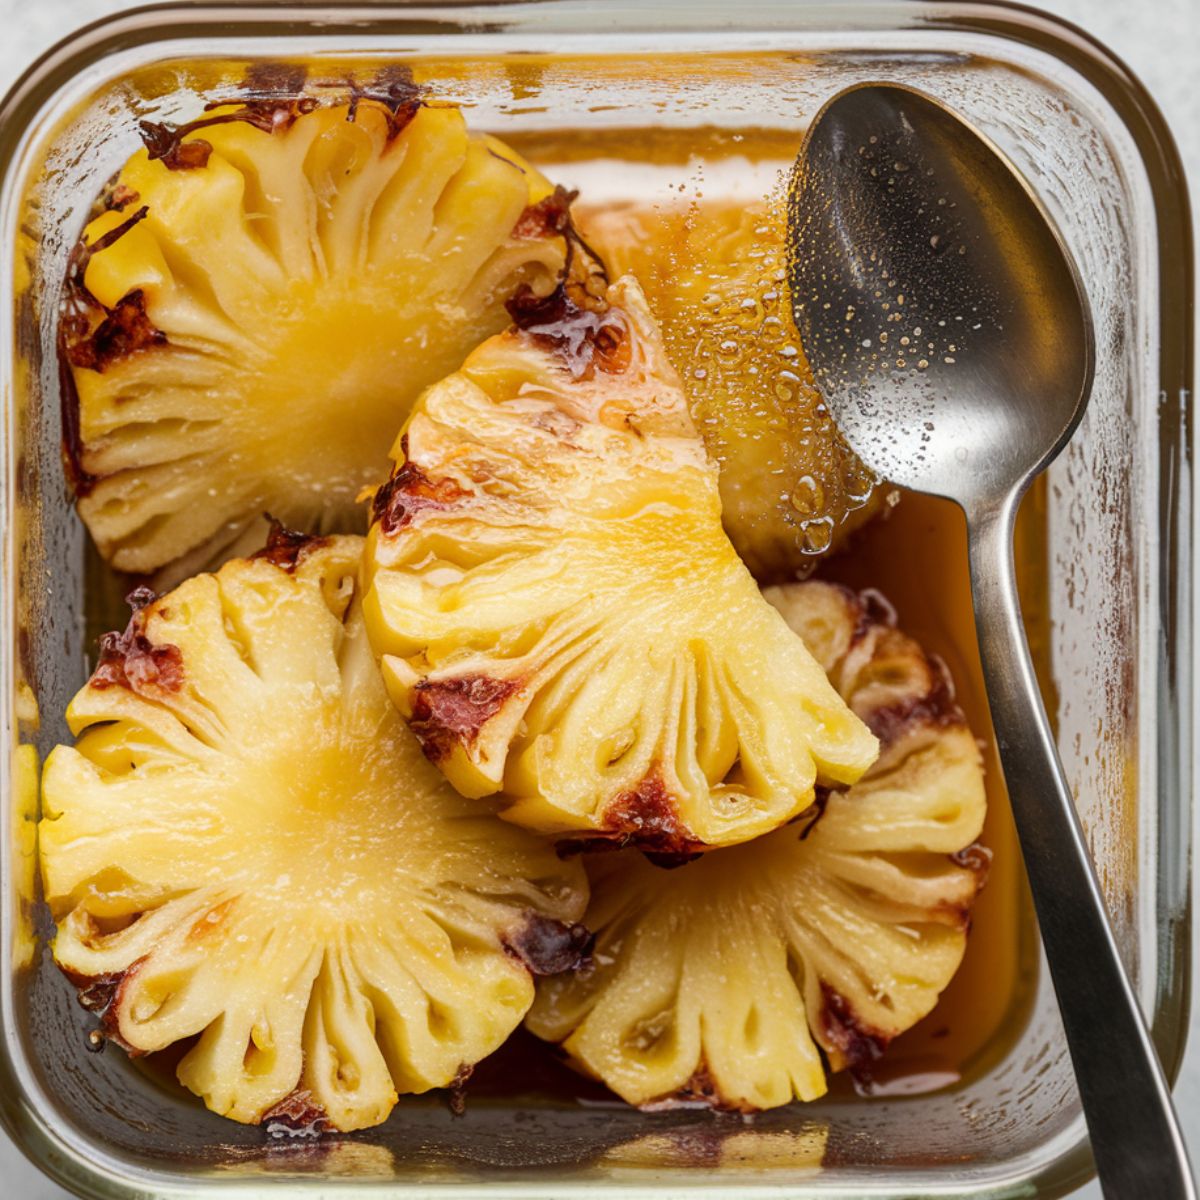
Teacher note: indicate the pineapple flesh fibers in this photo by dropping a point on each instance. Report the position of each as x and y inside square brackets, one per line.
[724, 980]
[245, 845]
[714, 276]
[250, 323]
[560, 615]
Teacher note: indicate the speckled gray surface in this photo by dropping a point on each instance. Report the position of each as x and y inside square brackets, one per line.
[1159, 40]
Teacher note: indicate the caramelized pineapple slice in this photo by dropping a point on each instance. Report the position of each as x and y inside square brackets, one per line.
[253, 315]
[724, 981]
[714, 276]
[561, 617]
[246, 846]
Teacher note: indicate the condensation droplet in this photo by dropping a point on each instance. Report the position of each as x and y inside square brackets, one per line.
[808, 496]
[817, 535]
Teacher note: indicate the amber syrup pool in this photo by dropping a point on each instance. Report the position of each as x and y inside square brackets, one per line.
[914, 553]
[917, 556]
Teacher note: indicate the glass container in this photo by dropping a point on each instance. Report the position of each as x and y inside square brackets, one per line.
[1114, 519]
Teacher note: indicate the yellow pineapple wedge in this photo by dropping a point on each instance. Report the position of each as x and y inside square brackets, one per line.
[245, 845]
[724, 980]
[559, 613]
[715, 277]
[267, 292]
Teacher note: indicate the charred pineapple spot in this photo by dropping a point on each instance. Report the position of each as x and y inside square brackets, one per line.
[78, 302]
[287, 548]
[700, 1091]
[141, 597]
[872, 609]
[936, 708]
[975, 857]
[132, 661]
[164, 143]
[298, 1113]
[124, 331]
[273, 101]
[118, 198]
[410, 491]
[548, 947]
[456, 1090]
[101, 996]
[931, 705]
[448, 713]
[954, 916]
[396, 91]
[81, 318]
[550, 216]
[96, 992]
[583, 333]
[647, 817]
[574, 321]
[859, 1044]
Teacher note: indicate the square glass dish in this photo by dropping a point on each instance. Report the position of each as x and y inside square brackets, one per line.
[624, 101]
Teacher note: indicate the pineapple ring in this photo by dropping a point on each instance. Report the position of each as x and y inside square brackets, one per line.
[715, 277]
[262, 301]
[718, 982]
[246, 844]
[560, 615]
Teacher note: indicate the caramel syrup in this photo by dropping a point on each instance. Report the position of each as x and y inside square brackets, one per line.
[917, 556]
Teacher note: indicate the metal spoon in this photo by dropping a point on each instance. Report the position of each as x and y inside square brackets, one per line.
[950, 337]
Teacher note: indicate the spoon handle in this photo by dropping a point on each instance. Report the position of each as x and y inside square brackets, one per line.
[1135, 1136]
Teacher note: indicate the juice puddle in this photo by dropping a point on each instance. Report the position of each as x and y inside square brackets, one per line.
[915, 555]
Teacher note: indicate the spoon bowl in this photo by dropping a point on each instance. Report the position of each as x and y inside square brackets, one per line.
[950, 336]
[941, 313]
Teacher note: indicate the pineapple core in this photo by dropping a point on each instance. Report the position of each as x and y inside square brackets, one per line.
[248, 325]
[245, 845]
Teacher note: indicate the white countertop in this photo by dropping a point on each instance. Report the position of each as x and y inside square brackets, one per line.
[1158, 39]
